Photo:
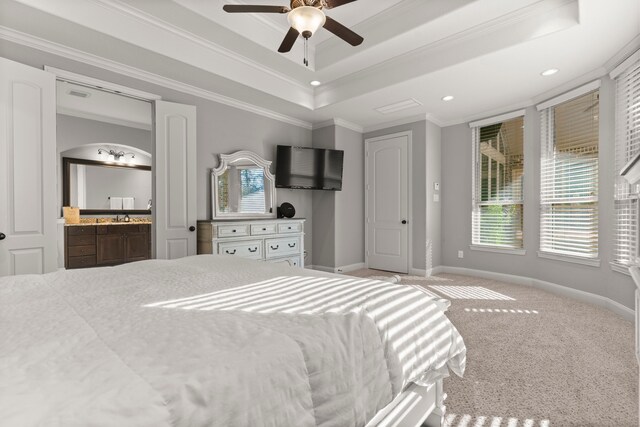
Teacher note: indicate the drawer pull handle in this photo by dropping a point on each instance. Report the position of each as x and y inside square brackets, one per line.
[292, 245]
[276, 248]
[231, 253]
[264, 229]
[289, 228]
[254, 250]
[233, 231]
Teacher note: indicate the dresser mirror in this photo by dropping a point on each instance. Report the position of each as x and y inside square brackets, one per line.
[243, 187]
[98, 187]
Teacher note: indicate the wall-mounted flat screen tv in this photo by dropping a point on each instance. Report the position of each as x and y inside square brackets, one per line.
[309, 168]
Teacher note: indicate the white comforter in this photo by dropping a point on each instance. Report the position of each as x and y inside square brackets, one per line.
[213, 341]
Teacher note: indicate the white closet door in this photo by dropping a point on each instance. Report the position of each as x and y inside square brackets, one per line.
[27, 170]
[174, 166]
[387, 194]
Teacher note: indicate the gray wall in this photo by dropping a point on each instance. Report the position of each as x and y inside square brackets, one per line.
[339, 243]
[74, 131]
[433, 162]
[425, 153]
[456, 222]
[220, 129]
[324, 209]
[349, 209]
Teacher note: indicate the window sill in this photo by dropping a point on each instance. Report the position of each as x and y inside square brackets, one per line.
[498, 250]
[591, 262]
[620, 268]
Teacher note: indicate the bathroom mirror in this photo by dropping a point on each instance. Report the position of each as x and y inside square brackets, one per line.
[243, 187]
[98, 187]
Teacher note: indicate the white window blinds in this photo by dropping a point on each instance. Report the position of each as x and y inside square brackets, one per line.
[569, 177]
[498, 172]
[627, 146]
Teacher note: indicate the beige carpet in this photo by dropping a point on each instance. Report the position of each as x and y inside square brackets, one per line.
[535, 359]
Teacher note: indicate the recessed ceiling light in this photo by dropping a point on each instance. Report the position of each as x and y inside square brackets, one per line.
[447, 98]
[315, 83]
[549, 72]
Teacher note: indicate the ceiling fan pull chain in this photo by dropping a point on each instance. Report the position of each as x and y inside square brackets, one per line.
[306, 50]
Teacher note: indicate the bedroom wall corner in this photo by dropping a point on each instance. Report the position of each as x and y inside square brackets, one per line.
[339, 224]
[457, 207]
[324, 207]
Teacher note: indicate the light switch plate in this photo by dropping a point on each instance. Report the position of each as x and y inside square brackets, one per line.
[436, 198]
[436, 186]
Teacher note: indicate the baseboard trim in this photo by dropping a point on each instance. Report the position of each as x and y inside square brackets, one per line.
[616, 307]
[418, 272]
[351, 267]
[342, 269]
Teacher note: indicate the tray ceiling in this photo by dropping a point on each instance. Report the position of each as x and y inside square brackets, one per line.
[488, 54]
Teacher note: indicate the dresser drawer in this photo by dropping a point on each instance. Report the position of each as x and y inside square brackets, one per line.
[289, 227]
[81, 240]
[82, 250]
[81, 230]
[260, 229]
[233, 230]
[246, 249]
[291, 261]
[282, 246]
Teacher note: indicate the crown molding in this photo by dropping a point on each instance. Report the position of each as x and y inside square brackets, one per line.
[399, 122]
[144, 17]
[631, 48]
[338, 122]
[348, 125]
[38, 43]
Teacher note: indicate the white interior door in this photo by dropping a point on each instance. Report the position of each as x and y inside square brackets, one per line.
[174, 166]
[387, 194]
[27, 170]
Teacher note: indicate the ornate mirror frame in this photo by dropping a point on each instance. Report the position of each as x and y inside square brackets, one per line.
[227, 160]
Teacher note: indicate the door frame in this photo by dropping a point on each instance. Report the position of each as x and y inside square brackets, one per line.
[81, 79]
[409, 135]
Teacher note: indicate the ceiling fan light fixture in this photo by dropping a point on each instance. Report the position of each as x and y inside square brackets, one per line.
[306, 20]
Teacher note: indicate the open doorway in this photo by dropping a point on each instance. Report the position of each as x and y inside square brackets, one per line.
[104, 145]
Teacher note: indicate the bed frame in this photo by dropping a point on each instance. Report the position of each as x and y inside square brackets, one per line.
[415, 407]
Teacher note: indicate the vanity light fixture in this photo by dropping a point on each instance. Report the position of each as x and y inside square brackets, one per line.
[115, 155]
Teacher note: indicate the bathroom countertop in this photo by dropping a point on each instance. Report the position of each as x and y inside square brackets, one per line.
[84, 224]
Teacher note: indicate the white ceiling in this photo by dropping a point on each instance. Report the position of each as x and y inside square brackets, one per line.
[486, 53]
[94, 104]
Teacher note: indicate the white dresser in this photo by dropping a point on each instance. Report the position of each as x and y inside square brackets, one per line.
[271, 240]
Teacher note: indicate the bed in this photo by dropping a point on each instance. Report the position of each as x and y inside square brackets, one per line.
[221, 341]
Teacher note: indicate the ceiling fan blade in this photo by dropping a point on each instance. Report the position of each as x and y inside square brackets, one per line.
[343, 32]
[289, 40]
[335, 3]
[247, 8]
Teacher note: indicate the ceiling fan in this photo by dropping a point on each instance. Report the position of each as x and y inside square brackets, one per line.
[305, 17]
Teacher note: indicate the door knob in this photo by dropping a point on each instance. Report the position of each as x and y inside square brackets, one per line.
[404, 221]
[2, 236]
[192, 228]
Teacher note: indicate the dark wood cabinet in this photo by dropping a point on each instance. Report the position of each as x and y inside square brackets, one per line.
[103, 245]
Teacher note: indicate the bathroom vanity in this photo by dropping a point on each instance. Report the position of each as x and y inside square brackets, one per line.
[98, 245]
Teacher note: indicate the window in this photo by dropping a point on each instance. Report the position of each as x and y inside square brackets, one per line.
[497, 194]
[569, 178]
[627, 146]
